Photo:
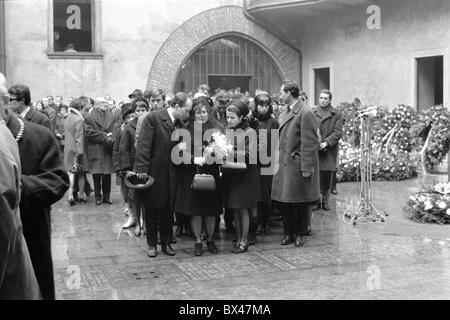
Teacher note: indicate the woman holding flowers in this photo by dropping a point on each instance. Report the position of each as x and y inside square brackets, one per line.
[200, 206]
[241, 186]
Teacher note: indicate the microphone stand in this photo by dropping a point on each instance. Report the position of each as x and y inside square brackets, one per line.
[365, 209]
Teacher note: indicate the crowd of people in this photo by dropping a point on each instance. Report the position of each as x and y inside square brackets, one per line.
[59, 145]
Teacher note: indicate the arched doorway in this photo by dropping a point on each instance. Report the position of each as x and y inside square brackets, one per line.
[203, 28]
[228, 62]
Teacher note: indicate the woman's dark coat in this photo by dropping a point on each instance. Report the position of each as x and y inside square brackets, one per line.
[198, 203]
[241, 188]
[264, 131]
[127, 151]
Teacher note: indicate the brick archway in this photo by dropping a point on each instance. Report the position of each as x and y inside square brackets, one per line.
[203, 28]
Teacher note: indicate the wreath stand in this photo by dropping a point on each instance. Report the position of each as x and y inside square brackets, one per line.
[366, 209]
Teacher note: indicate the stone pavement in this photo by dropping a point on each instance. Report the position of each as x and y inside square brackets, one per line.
[399, 259]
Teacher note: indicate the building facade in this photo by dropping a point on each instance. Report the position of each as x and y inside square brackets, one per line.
[384, 52]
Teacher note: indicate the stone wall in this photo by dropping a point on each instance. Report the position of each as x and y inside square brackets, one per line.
[376, 65]
[203, 28]
[131, 33]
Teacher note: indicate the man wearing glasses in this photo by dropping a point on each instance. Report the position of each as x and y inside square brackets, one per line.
[19, 103]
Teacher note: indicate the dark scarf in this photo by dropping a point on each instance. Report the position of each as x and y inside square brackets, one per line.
[261, 117]
[243, 125]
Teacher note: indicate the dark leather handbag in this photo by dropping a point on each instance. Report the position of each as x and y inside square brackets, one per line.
[203, 182]
[234, 166]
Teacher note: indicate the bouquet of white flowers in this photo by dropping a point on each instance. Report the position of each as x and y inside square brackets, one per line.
[430, 204]
[219, 147]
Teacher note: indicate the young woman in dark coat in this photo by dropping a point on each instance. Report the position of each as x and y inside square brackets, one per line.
[266, 122]
[241, 188]
[127, 154]
[200, 206]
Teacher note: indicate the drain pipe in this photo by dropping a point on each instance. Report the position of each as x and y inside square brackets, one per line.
[2, 38]
[275, 31]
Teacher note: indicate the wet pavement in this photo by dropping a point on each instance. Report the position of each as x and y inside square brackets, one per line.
[399, 259]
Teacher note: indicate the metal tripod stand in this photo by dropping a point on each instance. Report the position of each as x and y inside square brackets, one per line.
[366, 210]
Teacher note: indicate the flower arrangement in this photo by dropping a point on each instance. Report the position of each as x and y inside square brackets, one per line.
[432, 132]
[391, 142]
[430, 204]
[219, 147]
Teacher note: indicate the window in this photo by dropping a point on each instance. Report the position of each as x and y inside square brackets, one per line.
[430, 81]
[72, 26]
[229, 62]
[73, 31]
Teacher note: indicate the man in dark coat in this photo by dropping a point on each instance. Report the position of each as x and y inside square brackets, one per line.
[44, 181]
[20, 98]
[296, 183]
[330, 122]
[17, 278]
[100, 125]
[153, 157]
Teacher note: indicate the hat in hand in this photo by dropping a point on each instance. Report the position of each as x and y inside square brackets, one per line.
[132, 181]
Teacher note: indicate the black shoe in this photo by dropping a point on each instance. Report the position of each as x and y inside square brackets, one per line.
[334, 191]
[241, 248]
[173, 240]
[326, 206]
[107, 201]
[299, 241]
[72, 202]
[288, 239]
[198, 249]
[98, 202]
[151, 252]
[167, 249]
[212, 248]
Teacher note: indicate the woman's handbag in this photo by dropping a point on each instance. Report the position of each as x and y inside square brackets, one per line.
[234, 166]
[203, 182]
